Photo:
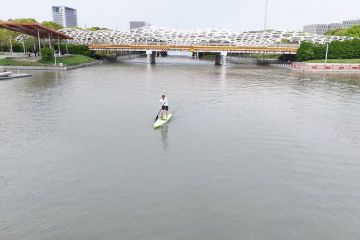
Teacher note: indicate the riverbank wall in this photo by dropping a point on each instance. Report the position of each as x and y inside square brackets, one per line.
[51, 68]
[325, 67]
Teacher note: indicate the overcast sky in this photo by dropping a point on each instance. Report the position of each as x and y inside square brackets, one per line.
[237, 15]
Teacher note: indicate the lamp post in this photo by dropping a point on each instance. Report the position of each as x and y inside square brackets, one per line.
[327, 51]
[59, 46]
[11, 46]
[39, 42]
[23, 43]
[266, 14]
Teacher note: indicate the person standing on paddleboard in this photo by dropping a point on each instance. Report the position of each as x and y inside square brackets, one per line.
[164, 107]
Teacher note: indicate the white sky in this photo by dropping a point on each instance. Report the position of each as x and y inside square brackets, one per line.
[237, 15]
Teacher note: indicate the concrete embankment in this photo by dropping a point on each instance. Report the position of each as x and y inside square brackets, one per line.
[313, 67]
[52, 68]
[325, 67]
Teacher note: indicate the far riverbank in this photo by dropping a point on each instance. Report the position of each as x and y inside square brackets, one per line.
[63, 63]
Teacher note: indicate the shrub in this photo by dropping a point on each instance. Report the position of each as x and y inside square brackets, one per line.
[47, 54]
[79, 49]
[75, 49]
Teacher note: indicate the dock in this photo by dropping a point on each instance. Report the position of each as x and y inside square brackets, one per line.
[16, 75]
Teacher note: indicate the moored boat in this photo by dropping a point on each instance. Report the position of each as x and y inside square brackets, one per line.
[5, 73]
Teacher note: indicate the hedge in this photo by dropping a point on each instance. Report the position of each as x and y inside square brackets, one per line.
[75, 49]
[348, 49]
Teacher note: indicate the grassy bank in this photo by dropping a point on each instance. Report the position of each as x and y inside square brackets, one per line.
[70, 60]
[348, 61]
[16, 62]
[66, 60]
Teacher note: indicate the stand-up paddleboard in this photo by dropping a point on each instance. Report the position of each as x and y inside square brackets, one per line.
[159, 122]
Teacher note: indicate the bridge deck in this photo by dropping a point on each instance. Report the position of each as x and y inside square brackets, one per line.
[196, 48]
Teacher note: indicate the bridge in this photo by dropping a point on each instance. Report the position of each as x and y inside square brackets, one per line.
[220, 51]
[153, 40]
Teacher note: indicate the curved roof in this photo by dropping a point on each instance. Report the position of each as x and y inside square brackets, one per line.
[33, 29]
[167, 36]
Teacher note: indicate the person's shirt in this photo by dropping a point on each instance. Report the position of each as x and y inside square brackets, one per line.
[164, 102]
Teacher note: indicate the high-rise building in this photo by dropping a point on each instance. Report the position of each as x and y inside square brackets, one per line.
[65, 16]
[138, 24]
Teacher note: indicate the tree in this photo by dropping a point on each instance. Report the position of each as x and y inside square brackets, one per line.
[319, 51]
[52, 25]
[285, 41]
[305, 51]
[97, 28]
[348, 49]
[93, 29]
[79, 49]
[354, 31]
[5, 37]
[23, 20]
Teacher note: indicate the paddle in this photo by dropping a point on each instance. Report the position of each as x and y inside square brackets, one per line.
[157, 116]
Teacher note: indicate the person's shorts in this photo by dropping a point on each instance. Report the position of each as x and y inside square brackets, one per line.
[165, 108]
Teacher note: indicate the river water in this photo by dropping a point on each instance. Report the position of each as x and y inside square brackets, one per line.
[251, 153]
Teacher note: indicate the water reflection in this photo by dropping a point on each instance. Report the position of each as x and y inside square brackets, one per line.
[245, 139]
[164, 136]
[44, 80]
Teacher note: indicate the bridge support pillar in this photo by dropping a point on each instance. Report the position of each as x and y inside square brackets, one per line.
[150, 57]
[220, 58]
[196, 55]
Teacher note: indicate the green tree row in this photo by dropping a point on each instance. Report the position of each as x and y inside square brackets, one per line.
[354, 31]
[348, 49]
[7, 38]
[71, 49]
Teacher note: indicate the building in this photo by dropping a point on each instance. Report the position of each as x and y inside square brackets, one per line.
[334, 26]
[350, 23]
[65, 16]
[323, 28]
[138, 24]
[320, 29]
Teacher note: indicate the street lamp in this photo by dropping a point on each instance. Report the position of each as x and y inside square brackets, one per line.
[266, 13]
[327, 52]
